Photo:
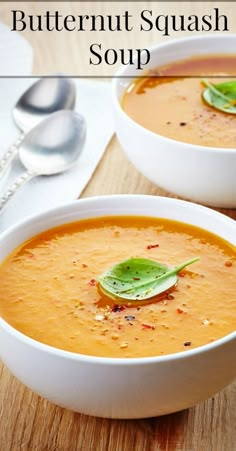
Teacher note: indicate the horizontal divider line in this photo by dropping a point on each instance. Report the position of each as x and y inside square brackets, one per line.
[123, 1]
[117, 76]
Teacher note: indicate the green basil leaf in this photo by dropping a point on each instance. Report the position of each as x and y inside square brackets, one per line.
[138, 279]
[221, 96]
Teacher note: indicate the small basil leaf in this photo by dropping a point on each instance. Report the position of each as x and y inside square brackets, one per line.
[221, 96]
[139, 279]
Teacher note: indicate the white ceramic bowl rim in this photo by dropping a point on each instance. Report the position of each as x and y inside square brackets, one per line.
[108, 360]
[122, 72]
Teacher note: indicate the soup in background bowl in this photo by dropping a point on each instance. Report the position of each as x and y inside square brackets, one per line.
[168, 132]
[170, 101]
[97, 374]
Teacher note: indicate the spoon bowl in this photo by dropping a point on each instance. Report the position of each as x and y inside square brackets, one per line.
[55, 144]
[52, 147]
[44, 97]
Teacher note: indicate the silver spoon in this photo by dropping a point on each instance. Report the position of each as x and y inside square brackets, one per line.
[52, 147]
[44, 97]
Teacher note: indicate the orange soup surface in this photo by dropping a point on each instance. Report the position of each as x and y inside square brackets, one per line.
[170, 101]
[48, 288]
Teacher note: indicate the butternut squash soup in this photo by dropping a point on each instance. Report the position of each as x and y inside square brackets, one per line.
[49, 288]
[169, 101]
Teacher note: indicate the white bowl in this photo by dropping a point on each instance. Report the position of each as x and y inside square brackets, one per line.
[115, 387]
[203, 174]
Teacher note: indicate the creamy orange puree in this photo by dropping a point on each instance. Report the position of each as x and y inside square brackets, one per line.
[171, 104]
[48, 288]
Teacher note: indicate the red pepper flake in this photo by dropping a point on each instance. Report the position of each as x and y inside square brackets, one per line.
[187, 343]
[92, 283]
[84, 266]
[31, 255]
[148, 326]
[136, 278]
[179, 311]
[55, 301]
[152, 246]
[118, 308]
[228, 263]
[181, 274]
[120, 326]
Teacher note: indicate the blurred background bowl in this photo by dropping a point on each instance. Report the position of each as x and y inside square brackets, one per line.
[202, 174]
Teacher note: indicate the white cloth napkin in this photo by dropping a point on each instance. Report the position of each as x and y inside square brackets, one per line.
[39, 194]
[16, 54]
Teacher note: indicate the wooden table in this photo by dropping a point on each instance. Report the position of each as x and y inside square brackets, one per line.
[28, 422]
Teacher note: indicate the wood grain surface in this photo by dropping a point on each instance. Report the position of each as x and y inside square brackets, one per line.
[28, 422]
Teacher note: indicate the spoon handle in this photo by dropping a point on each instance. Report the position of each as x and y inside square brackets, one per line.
[20, 181]
[6, 160]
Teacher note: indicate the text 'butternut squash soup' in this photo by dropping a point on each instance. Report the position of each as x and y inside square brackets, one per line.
[173, 101]
[121, 287]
